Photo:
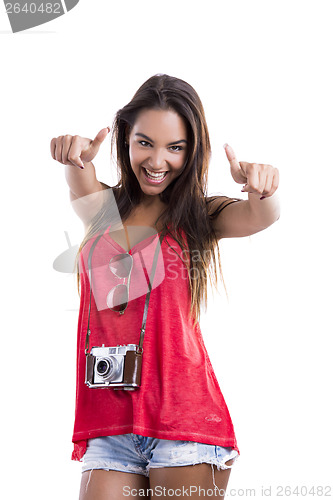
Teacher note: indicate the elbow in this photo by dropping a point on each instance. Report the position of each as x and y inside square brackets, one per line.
[271, 221]
[273, 216]
[267, 222]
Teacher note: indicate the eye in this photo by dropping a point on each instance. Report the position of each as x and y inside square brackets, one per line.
[179, 148]
[144, 143]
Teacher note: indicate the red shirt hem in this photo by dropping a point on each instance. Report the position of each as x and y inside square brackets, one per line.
[80, 445]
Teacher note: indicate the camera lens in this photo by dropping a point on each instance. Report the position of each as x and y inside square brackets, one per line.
[103, 367]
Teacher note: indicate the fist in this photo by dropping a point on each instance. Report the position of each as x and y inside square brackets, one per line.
[76, 150]
[258, 178]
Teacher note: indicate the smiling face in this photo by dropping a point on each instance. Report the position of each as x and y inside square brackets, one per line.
[158, 148]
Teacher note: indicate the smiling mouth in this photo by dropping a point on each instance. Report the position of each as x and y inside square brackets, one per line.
[154, 176]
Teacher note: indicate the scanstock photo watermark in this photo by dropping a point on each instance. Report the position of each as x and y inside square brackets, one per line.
[24, 15]
[278, 491]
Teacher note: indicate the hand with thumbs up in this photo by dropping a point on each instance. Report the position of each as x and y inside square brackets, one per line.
[259, 179]
[76, 150]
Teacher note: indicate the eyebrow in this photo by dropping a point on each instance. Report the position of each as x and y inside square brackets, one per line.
[151, 140]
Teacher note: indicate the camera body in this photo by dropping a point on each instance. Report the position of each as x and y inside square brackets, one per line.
[116, 367]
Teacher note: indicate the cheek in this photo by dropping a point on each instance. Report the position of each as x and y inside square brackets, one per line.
[179, 162]
[135, 157]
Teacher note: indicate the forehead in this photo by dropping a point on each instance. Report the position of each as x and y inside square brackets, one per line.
[158, 123]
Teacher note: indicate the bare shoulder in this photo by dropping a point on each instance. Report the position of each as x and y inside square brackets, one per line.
[86, 207]
[217, 203]
[227, 215]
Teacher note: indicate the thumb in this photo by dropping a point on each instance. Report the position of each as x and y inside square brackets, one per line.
[234, 165]
[96, 143]
[235, 168]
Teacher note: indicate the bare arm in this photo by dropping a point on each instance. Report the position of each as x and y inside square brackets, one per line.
[246, 217]
[262, 209]
[76, 153]
[86, 207]
[82, 182]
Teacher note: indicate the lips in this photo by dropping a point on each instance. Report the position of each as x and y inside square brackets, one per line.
[157, 179]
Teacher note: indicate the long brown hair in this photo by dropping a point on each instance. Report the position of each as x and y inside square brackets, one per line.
[187, 204]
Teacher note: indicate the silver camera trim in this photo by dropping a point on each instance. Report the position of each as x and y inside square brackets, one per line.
[116, 354]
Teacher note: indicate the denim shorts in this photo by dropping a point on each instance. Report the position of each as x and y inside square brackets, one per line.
[138, 454]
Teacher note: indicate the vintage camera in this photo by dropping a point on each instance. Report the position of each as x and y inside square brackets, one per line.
[114, 367]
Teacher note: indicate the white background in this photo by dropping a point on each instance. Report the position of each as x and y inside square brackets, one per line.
[263, 72]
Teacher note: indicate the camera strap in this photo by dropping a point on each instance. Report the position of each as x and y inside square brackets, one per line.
[150, 282]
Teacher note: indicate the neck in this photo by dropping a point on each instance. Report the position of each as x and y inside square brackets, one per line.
[151, 202]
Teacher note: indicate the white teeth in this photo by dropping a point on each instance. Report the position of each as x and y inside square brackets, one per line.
[155, 176]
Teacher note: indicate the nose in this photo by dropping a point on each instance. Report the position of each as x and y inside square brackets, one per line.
[157, 160]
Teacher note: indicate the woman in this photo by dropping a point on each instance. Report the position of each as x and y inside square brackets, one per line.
[172, 432]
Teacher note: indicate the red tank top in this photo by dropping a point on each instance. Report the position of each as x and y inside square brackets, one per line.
[179, 397]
